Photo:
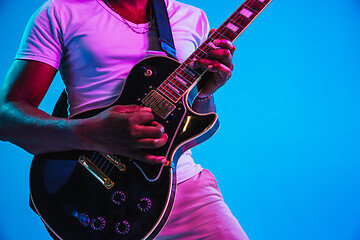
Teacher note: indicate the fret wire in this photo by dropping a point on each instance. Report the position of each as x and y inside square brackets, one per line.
[171, 77]
[175, 86]
[178, 81]
[250, 9]
[197, 71]
[247, 2]
[261, 3]
[163, 91]
[211, 38]
[255, 2]
[222, 35]
[244, 17]
[199, 52]
[196, 54]
[207, 44]
[194, 78]
[172, 91]
[188, 67]
[235, 23]
[175, 74]
[251, 3]
[205, 48]
[228, 30]
[185, 84]
[187, 80]
[193, 56]
[169, 94]
[202, 50]
[238, 19]
[234, 15]
[257, 6]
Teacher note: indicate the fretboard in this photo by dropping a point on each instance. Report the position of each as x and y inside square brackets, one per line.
[184, 77]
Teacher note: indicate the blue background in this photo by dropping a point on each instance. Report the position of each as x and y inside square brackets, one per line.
[287, 154]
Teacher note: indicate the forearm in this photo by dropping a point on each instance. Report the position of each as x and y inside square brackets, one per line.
[35, 131]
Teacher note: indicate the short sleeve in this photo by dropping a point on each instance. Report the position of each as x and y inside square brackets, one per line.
[203, 26]
[42, 38]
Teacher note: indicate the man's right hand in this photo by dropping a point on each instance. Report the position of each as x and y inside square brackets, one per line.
[123, 130]
[120, 130]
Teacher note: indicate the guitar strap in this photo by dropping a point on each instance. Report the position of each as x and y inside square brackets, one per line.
[166, 39]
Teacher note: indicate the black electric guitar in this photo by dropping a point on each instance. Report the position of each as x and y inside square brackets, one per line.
[93, 195]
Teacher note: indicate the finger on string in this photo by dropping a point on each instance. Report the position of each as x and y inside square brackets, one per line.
[130, 108]
[147, 158]
[223, 71]
[142, 118]
[202, 63]
[149, 131]
[222, 55]
[225, 44]
[151, 143]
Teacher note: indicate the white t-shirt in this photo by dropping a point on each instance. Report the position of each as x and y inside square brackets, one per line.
[94, 50]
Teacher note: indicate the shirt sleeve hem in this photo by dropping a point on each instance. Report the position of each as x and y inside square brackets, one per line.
[54, 63]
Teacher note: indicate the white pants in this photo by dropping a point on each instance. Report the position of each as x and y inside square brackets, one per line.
[201, 213]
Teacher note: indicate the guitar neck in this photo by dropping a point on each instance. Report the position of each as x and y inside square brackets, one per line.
[184, 78]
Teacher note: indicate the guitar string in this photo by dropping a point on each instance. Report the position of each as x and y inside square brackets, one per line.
[222, 31]
[108, 164]
[197, 55]
[104, 161]
[176, 84]
[113, 165]
[92, 157]
[96, 159]
[173, 83]
[185, 80]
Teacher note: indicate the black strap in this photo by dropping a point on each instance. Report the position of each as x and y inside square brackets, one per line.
[165, 38]
[61, 106]
[164, 30]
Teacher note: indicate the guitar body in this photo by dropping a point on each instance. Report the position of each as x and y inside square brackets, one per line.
[75, 204]
[95, 196]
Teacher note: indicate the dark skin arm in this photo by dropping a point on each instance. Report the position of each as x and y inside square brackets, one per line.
[121, 130]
